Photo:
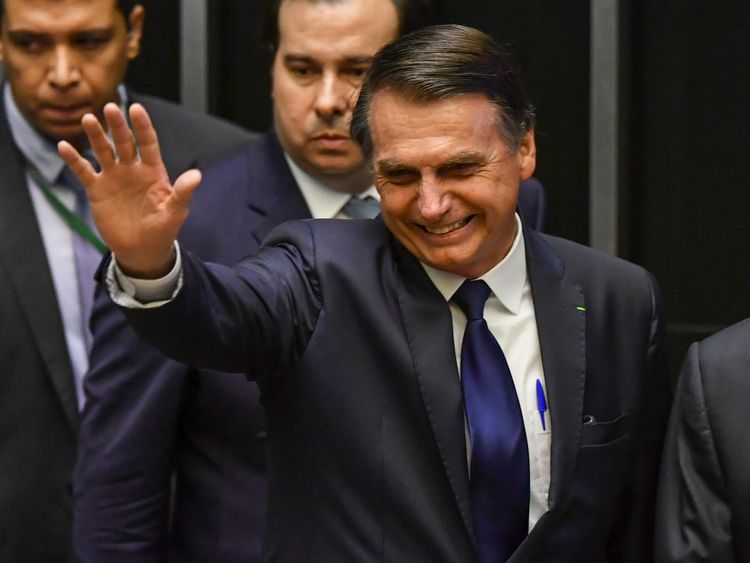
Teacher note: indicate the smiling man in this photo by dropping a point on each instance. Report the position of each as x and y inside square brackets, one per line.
[62, 59]
[443, 384]
[172, 459]
[448, 180]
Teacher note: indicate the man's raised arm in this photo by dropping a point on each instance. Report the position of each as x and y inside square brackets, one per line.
[136, 209]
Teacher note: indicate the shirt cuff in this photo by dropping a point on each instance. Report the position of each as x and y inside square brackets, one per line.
[134, 293]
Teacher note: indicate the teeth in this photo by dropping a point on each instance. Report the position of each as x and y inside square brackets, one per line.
[447, 228]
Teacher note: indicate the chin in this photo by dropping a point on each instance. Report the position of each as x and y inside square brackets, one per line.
[73, 134]
[456, 265]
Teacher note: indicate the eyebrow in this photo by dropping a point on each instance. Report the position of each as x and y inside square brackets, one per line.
[389, 166]
[30, 34]
[467, 157]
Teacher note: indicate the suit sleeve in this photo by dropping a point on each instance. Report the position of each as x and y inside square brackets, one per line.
[123, 475]
[255, 318]
[693, 515]
[633, 530]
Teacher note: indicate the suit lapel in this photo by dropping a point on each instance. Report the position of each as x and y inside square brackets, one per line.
[274, 194]
[428, 326]
[22, 250]
[560, 315]
[561, 327]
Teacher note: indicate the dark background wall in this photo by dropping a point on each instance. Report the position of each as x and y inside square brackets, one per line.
[688, 176]
[684, 121]
[157, 70]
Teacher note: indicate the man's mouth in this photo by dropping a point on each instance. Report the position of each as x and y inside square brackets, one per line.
[332, 141]
[447, 228]
[64, 113]
[333, 136]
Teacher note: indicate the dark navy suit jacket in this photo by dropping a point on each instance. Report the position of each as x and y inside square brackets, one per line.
[352, 348]
[149, 420]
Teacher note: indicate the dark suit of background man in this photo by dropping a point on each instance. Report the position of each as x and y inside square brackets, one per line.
[62, 59]
[703, 513]
[348, 329]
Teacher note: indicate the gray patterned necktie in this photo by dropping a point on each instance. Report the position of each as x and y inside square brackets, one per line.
[361, 208]
[87, 257]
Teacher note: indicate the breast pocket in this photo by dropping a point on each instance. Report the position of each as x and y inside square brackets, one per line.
[598, 433]
[602, 465]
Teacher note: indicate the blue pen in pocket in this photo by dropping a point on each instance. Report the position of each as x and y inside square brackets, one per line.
[541, 403]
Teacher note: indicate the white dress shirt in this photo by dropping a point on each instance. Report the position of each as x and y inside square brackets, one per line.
[510, 316]
[324, 202]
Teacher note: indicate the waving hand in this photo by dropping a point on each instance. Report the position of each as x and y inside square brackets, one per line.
[137, 210]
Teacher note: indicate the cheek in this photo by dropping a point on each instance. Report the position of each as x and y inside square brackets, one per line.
[291, 104]
[395, 202]
[24, 75]
[26, 86]
[103, 76]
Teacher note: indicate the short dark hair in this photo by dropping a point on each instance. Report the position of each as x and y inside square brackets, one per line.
[440, 62]
[125, 6]
[412, 15]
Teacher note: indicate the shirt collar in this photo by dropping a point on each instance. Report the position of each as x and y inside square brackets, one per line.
[324, 202]
[37, 149]
[506, 279]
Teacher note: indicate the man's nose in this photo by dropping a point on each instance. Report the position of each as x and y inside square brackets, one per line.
[63, 69]
[334, 97]
[433, 200]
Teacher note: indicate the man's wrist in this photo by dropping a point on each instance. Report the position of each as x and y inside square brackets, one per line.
[156, 269]
[149, 289]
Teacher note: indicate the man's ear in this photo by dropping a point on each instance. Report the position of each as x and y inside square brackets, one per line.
[527, 155]
[135, 31]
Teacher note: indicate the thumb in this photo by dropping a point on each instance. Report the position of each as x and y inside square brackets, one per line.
[184, 186]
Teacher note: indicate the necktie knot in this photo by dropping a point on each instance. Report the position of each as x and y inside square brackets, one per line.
[471, 297]
[68, 180]
[361, 208]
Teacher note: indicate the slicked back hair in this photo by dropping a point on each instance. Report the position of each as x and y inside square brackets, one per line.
[412, 15]
[440, 62]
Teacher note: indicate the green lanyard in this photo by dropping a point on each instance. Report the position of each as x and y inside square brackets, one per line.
[73, 220]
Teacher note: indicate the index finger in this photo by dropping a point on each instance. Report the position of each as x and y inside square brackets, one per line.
[81, 167]
[148, 143]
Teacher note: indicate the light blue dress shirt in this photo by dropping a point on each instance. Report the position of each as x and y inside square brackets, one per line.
[56, 233]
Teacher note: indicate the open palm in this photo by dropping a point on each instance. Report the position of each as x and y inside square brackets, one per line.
[135, 207]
